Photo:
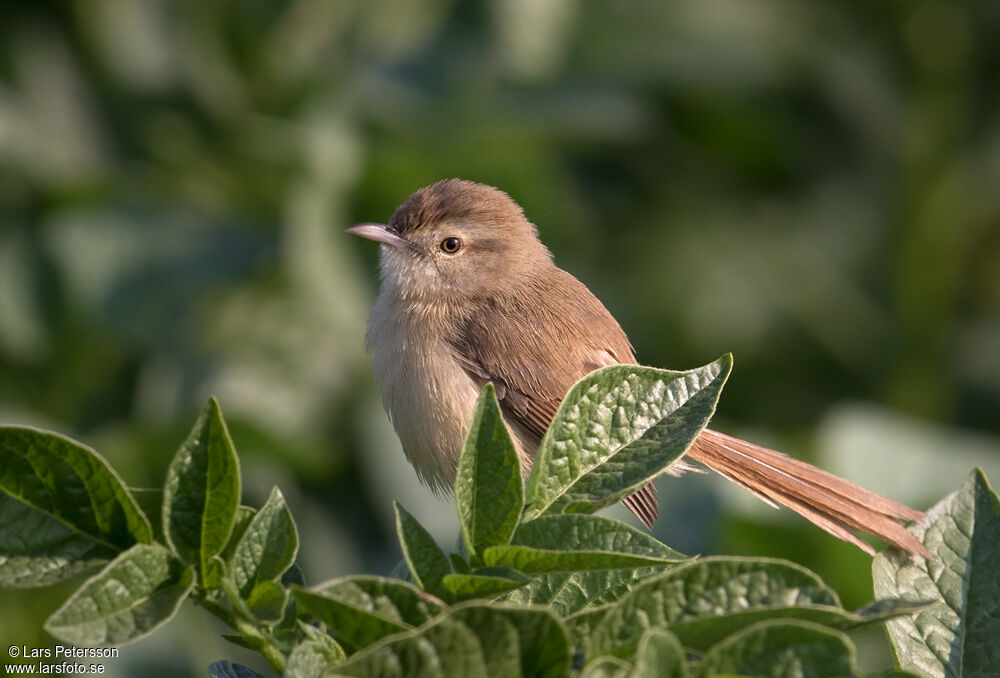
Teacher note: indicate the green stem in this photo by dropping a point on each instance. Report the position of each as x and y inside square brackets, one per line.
[267, 649]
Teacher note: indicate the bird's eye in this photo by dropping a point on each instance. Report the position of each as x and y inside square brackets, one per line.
[451, 245]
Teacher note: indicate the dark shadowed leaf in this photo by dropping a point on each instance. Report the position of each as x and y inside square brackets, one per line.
[133, 595]
[489, 489]
[616, 429]
[63, 509]
[202, 493]
[354, 625]
[227, 669]
[960, 636]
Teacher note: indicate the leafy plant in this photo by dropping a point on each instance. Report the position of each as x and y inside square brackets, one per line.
[542, 586]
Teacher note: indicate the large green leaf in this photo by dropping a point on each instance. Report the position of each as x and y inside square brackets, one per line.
[38, 550]
[201, 494]
[266, 548]
[353, 625]
[659, 655]
[427, 562]
[445, 648]
[571, 592]
[703, 589]
[578, 542]
[616, 429]
[489, 489]
[960, 637]
[470, 641]
[542, 647]
[314, 656]
[69, 484]
[390, 598]
[132, 596]
[781, 650]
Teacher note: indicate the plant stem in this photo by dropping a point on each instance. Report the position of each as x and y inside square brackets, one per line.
[267, 648]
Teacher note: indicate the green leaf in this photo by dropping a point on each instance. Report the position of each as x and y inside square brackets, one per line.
[390, 598]
[484, 582]
[202, 493]
[659, 655]
[459, 565]
[427, 562]
[618, 428]
[445, 648]
[71, 485]
[471, 641]
[360, 610]
[780, 649]
[267, 547]
[567, 593]
[132, 596]
[267, 601]
[706, 588]
[314, 656]
[489, 489]
[541, 644]
[578, 542]
[244, 514]
[958, 638]
[38, 550]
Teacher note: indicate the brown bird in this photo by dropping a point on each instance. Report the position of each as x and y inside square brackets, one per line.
[470, 295]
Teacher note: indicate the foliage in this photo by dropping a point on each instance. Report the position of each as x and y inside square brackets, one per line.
[496, 609]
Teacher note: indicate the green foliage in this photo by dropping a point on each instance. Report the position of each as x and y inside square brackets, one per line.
[547, 590]
[959, 636]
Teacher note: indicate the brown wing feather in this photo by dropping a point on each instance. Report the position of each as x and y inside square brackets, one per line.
[533, 345]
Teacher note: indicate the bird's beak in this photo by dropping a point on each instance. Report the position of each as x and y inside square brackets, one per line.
[380, 233]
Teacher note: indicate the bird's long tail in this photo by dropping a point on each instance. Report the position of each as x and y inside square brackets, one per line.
[841, 508]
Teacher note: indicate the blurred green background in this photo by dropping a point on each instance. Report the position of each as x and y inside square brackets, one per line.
[814, 186]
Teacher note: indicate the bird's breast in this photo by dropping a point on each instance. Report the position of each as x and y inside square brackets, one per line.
[425, 390]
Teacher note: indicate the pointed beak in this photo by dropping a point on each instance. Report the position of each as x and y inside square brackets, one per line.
[380, 233]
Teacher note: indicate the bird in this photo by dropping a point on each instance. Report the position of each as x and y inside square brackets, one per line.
[469, 295]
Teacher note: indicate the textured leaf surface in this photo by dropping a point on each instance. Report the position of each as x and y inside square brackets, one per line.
[579, 542]
[960, 637]
[471, 639]
[443, 649]
[568, 593]
[390, 598]
[38, 550]
[489, 489]
[202, 493]
[781, 650]
[616, 429]
[314, 656]
[703, 589]
[133, 595]
[70, 484]
[266, 548]
[659, 655]
[353, 625]
[427, 562]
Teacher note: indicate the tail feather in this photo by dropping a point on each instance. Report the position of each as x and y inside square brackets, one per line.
[833, 504]
[643, 504]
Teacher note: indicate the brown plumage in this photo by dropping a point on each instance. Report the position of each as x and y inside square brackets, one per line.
[500, 311]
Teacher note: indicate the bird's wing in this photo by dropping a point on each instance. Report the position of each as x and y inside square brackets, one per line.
[534, 345]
